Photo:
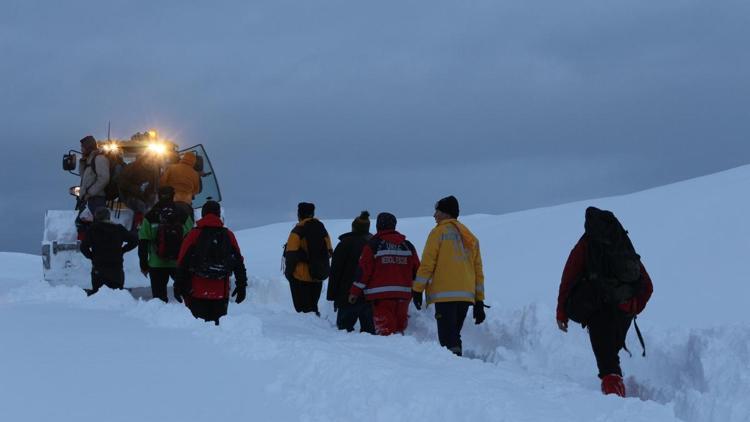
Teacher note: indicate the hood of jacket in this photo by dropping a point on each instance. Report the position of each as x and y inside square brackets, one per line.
[470, 241]
[391, 236]
[210, 220]
[189, 159]
[355, 234]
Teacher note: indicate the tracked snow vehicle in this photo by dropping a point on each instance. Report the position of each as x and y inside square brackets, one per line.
[62, 261]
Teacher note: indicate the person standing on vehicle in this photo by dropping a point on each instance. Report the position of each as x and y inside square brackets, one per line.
[307, 256]
[94, 176]
[451, 274]
[343, 272]
[604, 286]
[105, 244]
[387, 269]
[208, 256]
[160, 240]
[185, 180]
[137, 185]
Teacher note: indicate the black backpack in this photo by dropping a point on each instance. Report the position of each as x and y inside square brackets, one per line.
[213, 256]
[613, 268]
[317, 257]
[169, 235]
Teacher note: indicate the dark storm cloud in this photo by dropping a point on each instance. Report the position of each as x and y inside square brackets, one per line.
[386, 105]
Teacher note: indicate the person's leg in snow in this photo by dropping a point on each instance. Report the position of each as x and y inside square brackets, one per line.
[384, 316]
[159, 279]
[209, 309]
[450, 318]
[305, 295]
[114, 278]
[607, 330]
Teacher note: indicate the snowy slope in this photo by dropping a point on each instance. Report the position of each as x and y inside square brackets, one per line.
[111, 357]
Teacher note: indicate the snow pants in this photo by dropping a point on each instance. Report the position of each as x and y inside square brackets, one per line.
[347, 317]
[305, 295]
[607, 330]
[450, 318]
[390, 316]
[114, 278]
[159, 279]
[208, 309]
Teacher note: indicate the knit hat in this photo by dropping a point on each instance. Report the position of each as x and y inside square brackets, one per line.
[361, 224]
[211, 207]
[386, 221]
[305, 209]
[88, 142]
[166, 194]
[448, 205]
[101, 214]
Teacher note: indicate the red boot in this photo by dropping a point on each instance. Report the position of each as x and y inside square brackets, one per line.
[612, 384]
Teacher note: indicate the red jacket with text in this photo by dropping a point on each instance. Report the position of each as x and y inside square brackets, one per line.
[387, 267]
[574, 269]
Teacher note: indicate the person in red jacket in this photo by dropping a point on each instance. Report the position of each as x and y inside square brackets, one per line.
[387, 268]
[208, 256]
[609, 320]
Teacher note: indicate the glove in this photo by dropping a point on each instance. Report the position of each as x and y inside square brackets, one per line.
[240, 291]
[144, 267]
[479, 314]
[353, 298]
[416, 297]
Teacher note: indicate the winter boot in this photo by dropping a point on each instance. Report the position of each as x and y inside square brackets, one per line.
[612, 384]
[456, 350]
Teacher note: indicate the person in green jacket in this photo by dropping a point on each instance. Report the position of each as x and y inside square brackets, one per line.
[160, 239]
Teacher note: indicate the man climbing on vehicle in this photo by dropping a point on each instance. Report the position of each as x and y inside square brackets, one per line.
[137, 184]
[451, 274]
[185, 180]
[604, 286]
[94, 176]
[105, 244]
[208, 256]
[160, 240]
[387, 269]
[307, 256]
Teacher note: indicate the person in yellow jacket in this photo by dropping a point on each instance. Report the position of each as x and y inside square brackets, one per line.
[451, 274]
[185, 180]
[307, 256]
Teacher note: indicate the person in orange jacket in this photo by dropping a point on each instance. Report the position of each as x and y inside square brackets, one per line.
[185, 180]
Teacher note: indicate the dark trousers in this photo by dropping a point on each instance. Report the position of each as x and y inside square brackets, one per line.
[450, 318]
[94, 203]
[348, 315]
[159, 280]
[305, 295]
[113, 277]
[607, 331]
[208, 309]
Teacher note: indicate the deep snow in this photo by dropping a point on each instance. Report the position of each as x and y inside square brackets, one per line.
[111, 357]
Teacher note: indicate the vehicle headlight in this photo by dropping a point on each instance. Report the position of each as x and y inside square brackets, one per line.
[110, 147]
[157, 148]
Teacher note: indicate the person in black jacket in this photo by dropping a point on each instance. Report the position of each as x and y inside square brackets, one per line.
[103, 245]
[343, 273]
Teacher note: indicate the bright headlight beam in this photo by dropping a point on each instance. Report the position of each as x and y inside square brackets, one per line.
[157, 148]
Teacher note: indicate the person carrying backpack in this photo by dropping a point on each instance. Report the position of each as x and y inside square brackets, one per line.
[103, 245]
[307, 256]
[95, 176]
[208, 256]
[137, 183]
[604, 286]
[387, 269]
[344, 266]
[160, 240]
[451, 274]
[185, 180]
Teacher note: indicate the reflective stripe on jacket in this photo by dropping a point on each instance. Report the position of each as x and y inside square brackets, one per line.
[387, 267]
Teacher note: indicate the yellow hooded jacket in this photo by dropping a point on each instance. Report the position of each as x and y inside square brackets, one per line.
[294, 245]
[451, 269]
[183, 178]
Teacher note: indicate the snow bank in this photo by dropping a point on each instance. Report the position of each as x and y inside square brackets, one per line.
[266, 362]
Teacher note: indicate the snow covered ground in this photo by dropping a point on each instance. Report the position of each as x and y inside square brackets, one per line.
[110, 357]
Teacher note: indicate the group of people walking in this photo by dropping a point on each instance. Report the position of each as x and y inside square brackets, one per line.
[372, 278]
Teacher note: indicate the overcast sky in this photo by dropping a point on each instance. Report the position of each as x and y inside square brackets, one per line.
[385, 105]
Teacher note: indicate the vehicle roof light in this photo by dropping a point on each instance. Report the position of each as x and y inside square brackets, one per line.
[157, 148]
